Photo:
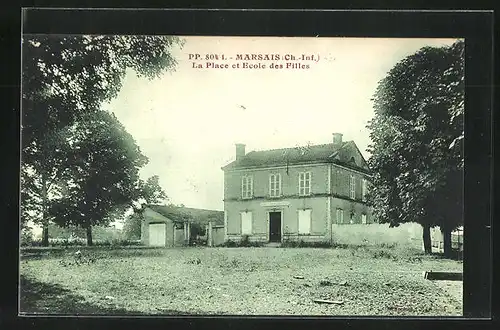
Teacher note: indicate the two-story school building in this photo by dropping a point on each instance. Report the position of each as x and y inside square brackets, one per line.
[295, 193]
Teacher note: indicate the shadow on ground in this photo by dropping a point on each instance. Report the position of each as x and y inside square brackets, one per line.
[42, 298]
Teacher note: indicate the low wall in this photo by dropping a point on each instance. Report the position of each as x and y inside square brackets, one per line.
[217, 235]
[405, 234]
[179, 237]
[374, 234]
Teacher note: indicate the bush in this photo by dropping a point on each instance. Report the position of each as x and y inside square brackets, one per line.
[245, 242]
[302, 244]
[291, 244]
[198, 242]
[344, 246]
[383, 254]
[388, 245]
[255, 244]
[229, 243]
[26, 238]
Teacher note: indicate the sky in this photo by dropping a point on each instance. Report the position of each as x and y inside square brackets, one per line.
[188, 121]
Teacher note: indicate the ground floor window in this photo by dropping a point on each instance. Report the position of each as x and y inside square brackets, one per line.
[246, 223]
[304, 221]
[363, 219]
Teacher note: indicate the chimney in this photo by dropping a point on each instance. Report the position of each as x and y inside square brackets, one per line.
[240, 150]
[337, 139]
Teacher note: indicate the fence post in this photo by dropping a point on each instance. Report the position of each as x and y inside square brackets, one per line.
[209, 234]
[185, 232]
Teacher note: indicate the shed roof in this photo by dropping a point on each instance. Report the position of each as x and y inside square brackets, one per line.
[181, 213]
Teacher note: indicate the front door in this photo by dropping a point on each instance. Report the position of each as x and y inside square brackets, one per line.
[274, 226]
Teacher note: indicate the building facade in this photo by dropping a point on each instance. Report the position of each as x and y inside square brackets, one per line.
[295, 193]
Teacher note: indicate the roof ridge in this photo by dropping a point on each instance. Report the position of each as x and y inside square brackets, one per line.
[183, 207]
[301, 146]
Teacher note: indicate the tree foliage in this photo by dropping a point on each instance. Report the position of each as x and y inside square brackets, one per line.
[417, 140]
[149, 192]
[64, 79]
[104, 172]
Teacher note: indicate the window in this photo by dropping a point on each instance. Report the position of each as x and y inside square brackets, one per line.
[363, 219]
[246, 186]
[364, 190]
[352, 185]
[246, 223]
[340, 216]
[304, 221]
[275, 185]
[305, 184]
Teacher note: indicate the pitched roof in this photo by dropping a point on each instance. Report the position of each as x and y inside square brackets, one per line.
[299, 155]
[180, 213]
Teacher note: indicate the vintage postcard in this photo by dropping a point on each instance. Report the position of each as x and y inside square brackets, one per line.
[210, 175]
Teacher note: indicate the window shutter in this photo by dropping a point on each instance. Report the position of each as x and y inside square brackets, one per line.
[301, 183]
[279, 185]
[271, 184]
[352, 187]
[246, 223]
[304, 221]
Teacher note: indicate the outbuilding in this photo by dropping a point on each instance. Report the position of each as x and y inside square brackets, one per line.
[169, 226]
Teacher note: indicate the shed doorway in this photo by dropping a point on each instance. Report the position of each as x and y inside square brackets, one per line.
[157, 234]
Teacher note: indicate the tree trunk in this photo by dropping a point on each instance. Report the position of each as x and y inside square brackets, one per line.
[447, 241]
[426, 237]
[45, 220]
[89, 235]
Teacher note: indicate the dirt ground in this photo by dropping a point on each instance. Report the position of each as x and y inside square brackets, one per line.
[240, 281]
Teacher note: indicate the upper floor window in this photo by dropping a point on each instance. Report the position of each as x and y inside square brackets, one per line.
[364, 190]
[275, 185]
[305, 183]
[352, 186]
[246, 186]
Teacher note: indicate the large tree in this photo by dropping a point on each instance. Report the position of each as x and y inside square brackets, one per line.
[417, 142]
[63, 79]
[103, 174]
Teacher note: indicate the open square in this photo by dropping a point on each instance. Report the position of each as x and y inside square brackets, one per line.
[239, 281]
